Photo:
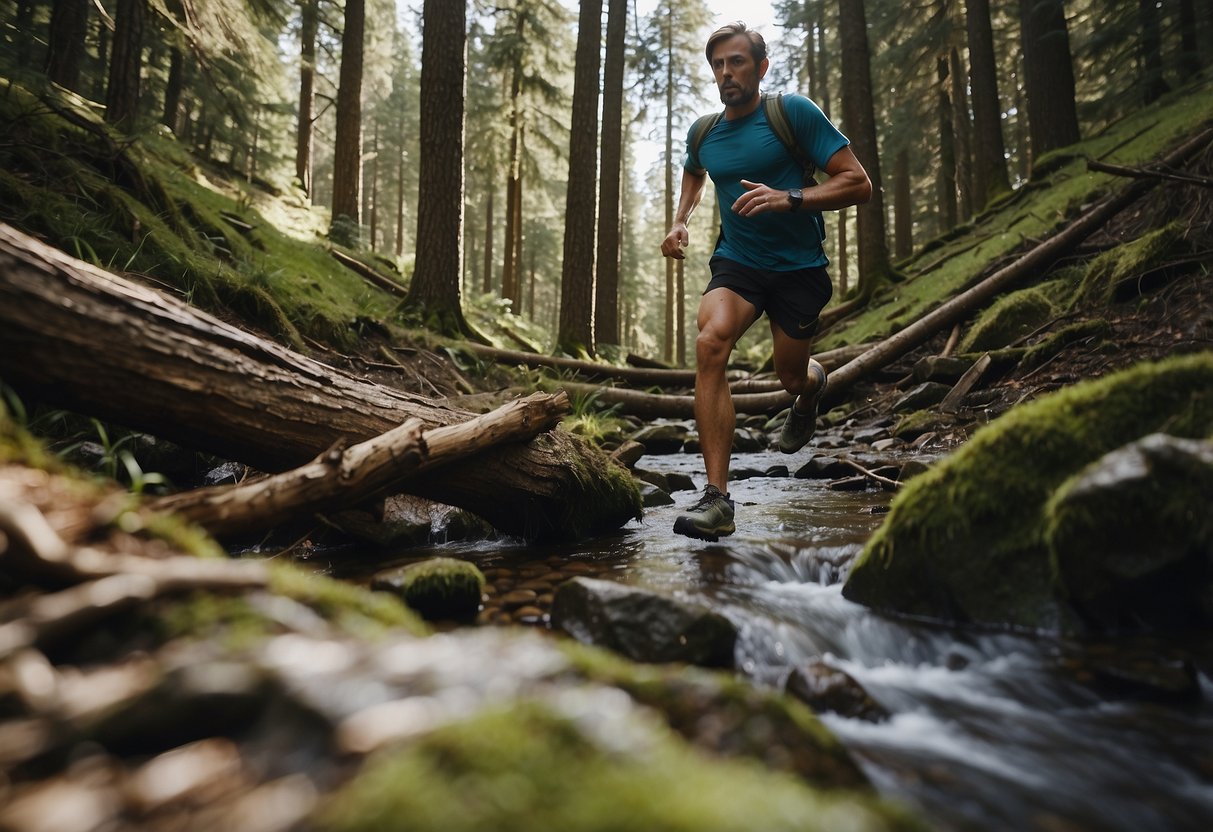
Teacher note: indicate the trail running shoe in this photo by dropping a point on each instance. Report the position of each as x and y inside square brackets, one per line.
[799, 427]
[709, 519]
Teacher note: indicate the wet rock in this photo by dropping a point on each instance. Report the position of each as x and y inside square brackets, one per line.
[691, 446]
[653, 477]
[1115, 672]
[1132, 535]
[826, 689]
[680, 482]
[746, 441]
[912, 468]
[651, 496]
[824, 468]
[229, 473]
[777, 471]
[857, 482]
[662, 439]
[745, 473]
[438, 588]
[869, 435]
[643, 625]
[629, 453]
[915, 424]
[882, 445]
[518, 598]
[927, 394]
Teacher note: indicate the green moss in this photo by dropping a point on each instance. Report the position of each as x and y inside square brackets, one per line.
[231, 620]
[965, 540]
[528, 768]
[1038, 354]
[1010, 318]
[355, 609]
[606, 493]
[1129, 260]
[723, 714]
[438, 588]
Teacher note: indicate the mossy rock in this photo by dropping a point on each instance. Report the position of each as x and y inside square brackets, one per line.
[438, 588]
[1009, 319]
[965, 541]
[1131, 535]
[1130, 260]
[531, 767]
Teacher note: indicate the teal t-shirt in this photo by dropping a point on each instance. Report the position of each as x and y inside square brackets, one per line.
[748, 149]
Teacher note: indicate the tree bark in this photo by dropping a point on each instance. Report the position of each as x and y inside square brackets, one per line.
[486, 284]
[1154, 86]
[172, 90]
[945, 183]
[65, 42]
[184, 375]
[903, 210]
[309, 25]
[1048, 76]
[860, 120]
[339, 478]
[1189, 39]
[435, 292]
[606, 286]
[964, 135]
[347, 146]
[576, 333]
[989, 152]
[126, 64]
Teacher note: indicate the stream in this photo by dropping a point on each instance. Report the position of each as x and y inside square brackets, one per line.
[987, 730]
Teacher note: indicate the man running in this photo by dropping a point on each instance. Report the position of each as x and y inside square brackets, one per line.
[769, 256]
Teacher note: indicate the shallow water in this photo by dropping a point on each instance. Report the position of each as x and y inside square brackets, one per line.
[987, 730]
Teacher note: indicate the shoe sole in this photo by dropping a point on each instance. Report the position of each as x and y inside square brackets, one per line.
[685, 527]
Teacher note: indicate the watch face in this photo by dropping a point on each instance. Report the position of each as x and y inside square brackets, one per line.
[795, 196]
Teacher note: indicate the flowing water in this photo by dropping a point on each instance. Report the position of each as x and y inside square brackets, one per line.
[986, 730]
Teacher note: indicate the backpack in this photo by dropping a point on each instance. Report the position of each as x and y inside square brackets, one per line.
[777, 118]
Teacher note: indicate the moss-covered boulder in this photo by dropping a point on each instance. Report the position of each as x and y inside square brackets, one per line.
[1131, 536]
[592, 764]
[1010, 318]
[966, 541]
[437, 588]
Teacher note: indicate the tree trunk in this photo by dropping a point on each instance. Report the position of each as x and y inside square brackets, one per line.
[512, 261]
[181, 374]
[347, 146]
[1154, 86]
[964, 135]
[23, 23]
[860, 120]
[373, 195]
[1048, 76]
[340, 478]
[309, 24]
[668, 352]
[903, 218]
[576, 332]
[65, 42]
[400, 160]
[1189, 51]
[486, 285]
[606, 287]
[680, 313]
[945, 180]
[844, 260]
[989, 153]
[172, 91]
[126, 64]
[434, 292]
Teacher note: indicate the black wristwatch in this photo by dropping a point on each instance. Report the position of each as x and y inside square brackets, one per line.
[795, 197]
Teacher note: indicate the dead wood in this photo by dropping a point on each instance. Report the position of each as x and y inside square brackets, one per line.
[1032, 263]
[341, 477]
[665, 406]
[885, 482]
[363, 270]
[1145, 173]
[951, 402]
[75, 336]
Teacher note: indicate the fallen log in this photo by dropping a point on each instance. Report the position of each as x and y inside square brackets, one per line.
[1034, 262]
[78, 337]
[665, 406]
[339, 478]
[363, 270]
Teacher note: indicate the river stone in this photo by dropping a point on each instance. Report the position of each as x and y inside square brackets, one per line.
[746, 473]
[643, 625]
[662, 439]
[925, 395]
[652, 496]
[824, 468]
[869, 435]
[654, 477]
[777, 471]
[882, 445]
[746, 441]
[829, 690]
[629, 453]
[438, 588]
[912, 468]
[680, 482]
[1132, 534]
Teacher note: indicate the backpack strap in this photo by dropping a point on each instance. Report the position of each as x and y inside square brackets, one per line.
[777, 117]
[699, 131]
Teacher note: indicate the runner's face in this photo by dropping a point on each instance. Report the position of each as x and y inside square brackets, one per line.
[737, 75]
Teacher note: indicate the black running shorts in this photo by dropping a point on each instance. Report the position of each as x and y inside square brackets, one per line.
[792, 300]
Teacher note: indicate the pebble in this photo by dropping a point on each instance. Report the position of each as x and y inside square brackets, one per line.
[518, 598]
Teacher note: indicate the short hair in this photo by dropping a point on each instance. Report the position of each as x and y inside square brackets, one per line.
[758, 46]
